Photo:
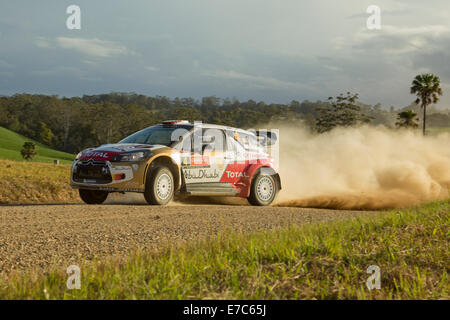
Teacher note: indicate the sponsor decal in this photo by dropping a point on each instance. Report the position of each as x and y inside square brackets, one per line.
[186, 161]
[195, 162]
[234, 174]
[198, 160]
[96, 154]
[201, 174]
[114, 167]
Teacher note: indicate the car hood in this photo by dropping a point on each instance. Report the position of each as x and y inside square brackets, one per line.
[108, 151]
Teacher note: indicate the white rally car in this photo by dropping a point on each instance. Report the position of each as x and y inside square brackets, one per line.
[178, 156]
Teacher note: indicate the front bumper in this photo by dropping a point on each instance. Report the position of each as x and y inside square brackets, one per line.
[108, 176]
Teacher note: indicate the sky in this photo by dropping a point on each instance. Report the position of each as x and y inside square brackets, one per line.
[267, 50]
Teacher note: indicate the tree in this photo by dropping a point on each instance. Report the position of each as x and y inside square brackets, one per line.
[407, 119]
[28, 151]
[341, 111]
[45, 134]
[427, 88]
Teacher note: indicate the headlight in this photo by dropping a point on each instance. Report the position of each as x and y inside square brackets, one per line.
[131, 156]
[79, 155]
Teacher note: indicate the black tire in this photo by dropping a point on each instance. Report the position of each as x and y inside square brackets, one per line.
[159, 187]
[263, 191]
[93, 196]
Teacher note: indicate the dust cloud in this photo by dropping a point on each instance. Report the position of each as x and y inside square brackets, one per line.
[368, 168]
[362, 168]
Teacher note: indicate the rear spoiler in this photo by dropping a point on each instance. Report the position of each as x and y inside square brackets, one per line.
[266, 137]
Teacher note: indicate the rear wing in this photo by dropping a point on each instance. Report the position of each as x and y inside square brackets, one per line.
[266, 137]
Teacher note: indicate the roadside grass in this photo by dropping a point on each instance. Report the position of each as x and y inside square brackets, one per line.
[315, 261]
[11, 143]
[24, 182]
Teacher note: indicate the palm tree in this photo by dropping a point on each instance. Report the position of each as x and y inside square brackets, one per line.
[427, 88]
[407, 119]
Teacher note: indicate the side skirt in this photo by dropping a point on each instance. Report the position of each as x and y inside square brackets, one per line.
[211, 189]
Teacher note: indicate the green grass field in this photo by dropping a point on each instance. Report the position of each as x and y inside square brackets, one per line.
[11, 143]
[317, 261]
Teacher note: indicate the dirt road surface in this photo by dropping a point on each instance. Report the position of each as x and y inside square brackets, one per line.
[35, 237]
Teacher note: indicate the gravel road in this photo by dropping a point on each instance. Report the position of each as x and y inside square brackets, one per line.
[34, 237]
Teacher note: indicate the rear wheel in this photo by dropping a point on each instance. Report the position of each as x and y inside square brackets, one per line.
[93, 196]
[159, 188]
[263, 190]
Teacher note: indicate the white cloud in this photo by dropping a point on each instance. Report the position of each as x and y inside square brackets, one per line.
[332, 68]
[92, 47]
[42, 42]
[255, 81]
[396, 40]
[152, 68]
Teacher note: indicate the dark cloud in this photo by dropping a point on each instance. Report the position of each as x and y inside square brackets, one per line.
[247, 49]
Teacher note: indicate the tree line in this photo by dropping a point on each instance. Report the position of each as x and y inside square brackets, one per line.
[72, 124]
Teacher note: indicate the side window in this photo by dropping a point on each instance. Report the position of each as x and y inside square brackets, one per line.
[213, 140]
[250, 142]
[186, 144]
[232, 142]
[246, 140]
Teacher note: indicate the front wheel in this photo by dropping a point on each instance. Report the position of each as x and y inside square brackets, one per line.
[159, 188]
[93, 196]
[263, 190]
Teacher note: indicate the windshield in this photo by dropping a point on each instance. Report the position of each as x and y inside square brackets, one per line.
[157, 135]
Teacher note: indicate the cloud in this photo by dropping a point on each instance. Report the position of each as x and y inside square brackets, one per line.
[255, 81]
[57, 71]
[365, 15]
[151, 68]
[262, 51]
[380, 64]
[398, 40]
[332, 68]
[42, 42]
[92, 47]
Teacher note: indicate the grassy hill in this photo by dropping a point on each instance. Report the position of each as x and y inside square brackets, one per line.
[11, 143]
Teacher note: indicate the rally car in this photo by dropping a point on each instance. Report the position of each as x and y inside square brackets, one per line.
[181, 157]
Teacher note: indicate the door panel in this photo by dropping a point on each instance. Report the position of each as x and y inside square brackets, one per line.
[206, 164]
